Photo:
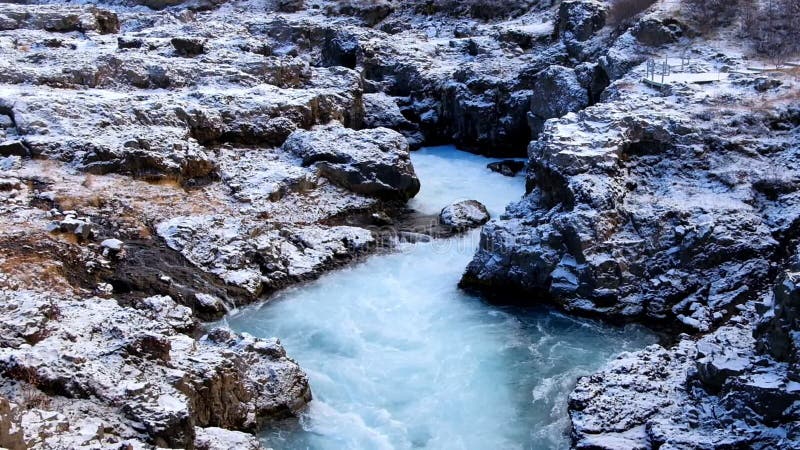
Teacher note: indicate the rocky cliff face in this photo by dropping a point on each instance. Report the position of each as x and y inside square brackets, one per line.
[676, 207]
[641, 209]
[734, 387]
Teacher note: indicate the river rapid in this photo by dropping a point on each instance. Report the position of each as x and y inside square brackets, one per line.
[399, 358]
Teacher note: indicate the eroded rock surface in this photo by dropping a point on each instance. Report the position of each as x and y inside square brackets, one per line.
[130, 374]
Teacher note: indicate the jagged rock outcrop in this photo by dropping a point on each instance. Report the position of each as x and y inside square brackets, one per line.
[656, 206]
[372, 162]
[577, 21]
[777, 330]
[370, 12]
[556, 92]
[381, 110]
[580, 19]
[655, 30]
[58, 19]
[727, 389]
[135, 377]
[623, 219]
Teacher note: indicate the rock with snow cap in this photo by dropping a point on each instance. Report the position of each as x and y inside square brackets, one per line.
[373, 162]
[464, 214]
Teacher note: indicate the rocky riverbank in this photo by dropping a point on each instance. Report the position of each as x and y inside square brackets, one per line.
[677, 207]
[162, 162]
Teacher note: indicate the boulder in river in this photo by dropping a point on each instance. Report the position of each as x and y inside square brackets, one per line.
[464, 214]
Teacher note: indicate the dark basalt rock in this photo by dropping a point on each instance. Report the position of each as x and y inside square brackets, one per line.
[371, 12]
[508, 167]
[655, 31]
[161, 4]
[188, 47]
[464, 214]
[123, 42]
[573, 237]
[580, 19]
[291, 6]
[777, 331]
[340, 49]
[107, 21]
[14, 148]
[556, 91]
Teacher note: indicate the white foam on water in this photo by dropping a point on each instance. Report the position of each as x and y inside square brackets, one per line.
[399, 358]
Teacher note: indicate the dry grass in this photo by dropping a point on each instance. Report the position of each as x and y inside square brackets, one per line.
[79, 202]
[708, 15]
[621, 11]
[30, 397]
[34, 262]
[773, 26]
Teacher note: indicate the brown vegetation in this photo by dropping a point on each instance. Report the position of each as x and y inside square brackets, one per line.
[620, 11]
[707, 15]
[42, 261]
[772, 25]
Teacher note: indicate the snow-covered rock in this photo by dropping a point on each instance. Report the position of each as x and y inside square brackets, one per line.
[622, 219]
[253, 257]
[373, 162]
[114, 245]
[716, 392]
[464, 214]
[556, 92]
[146, 380]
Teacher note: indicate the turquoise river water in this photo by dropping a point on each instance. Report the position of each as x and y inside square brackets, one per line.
[399, 358]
